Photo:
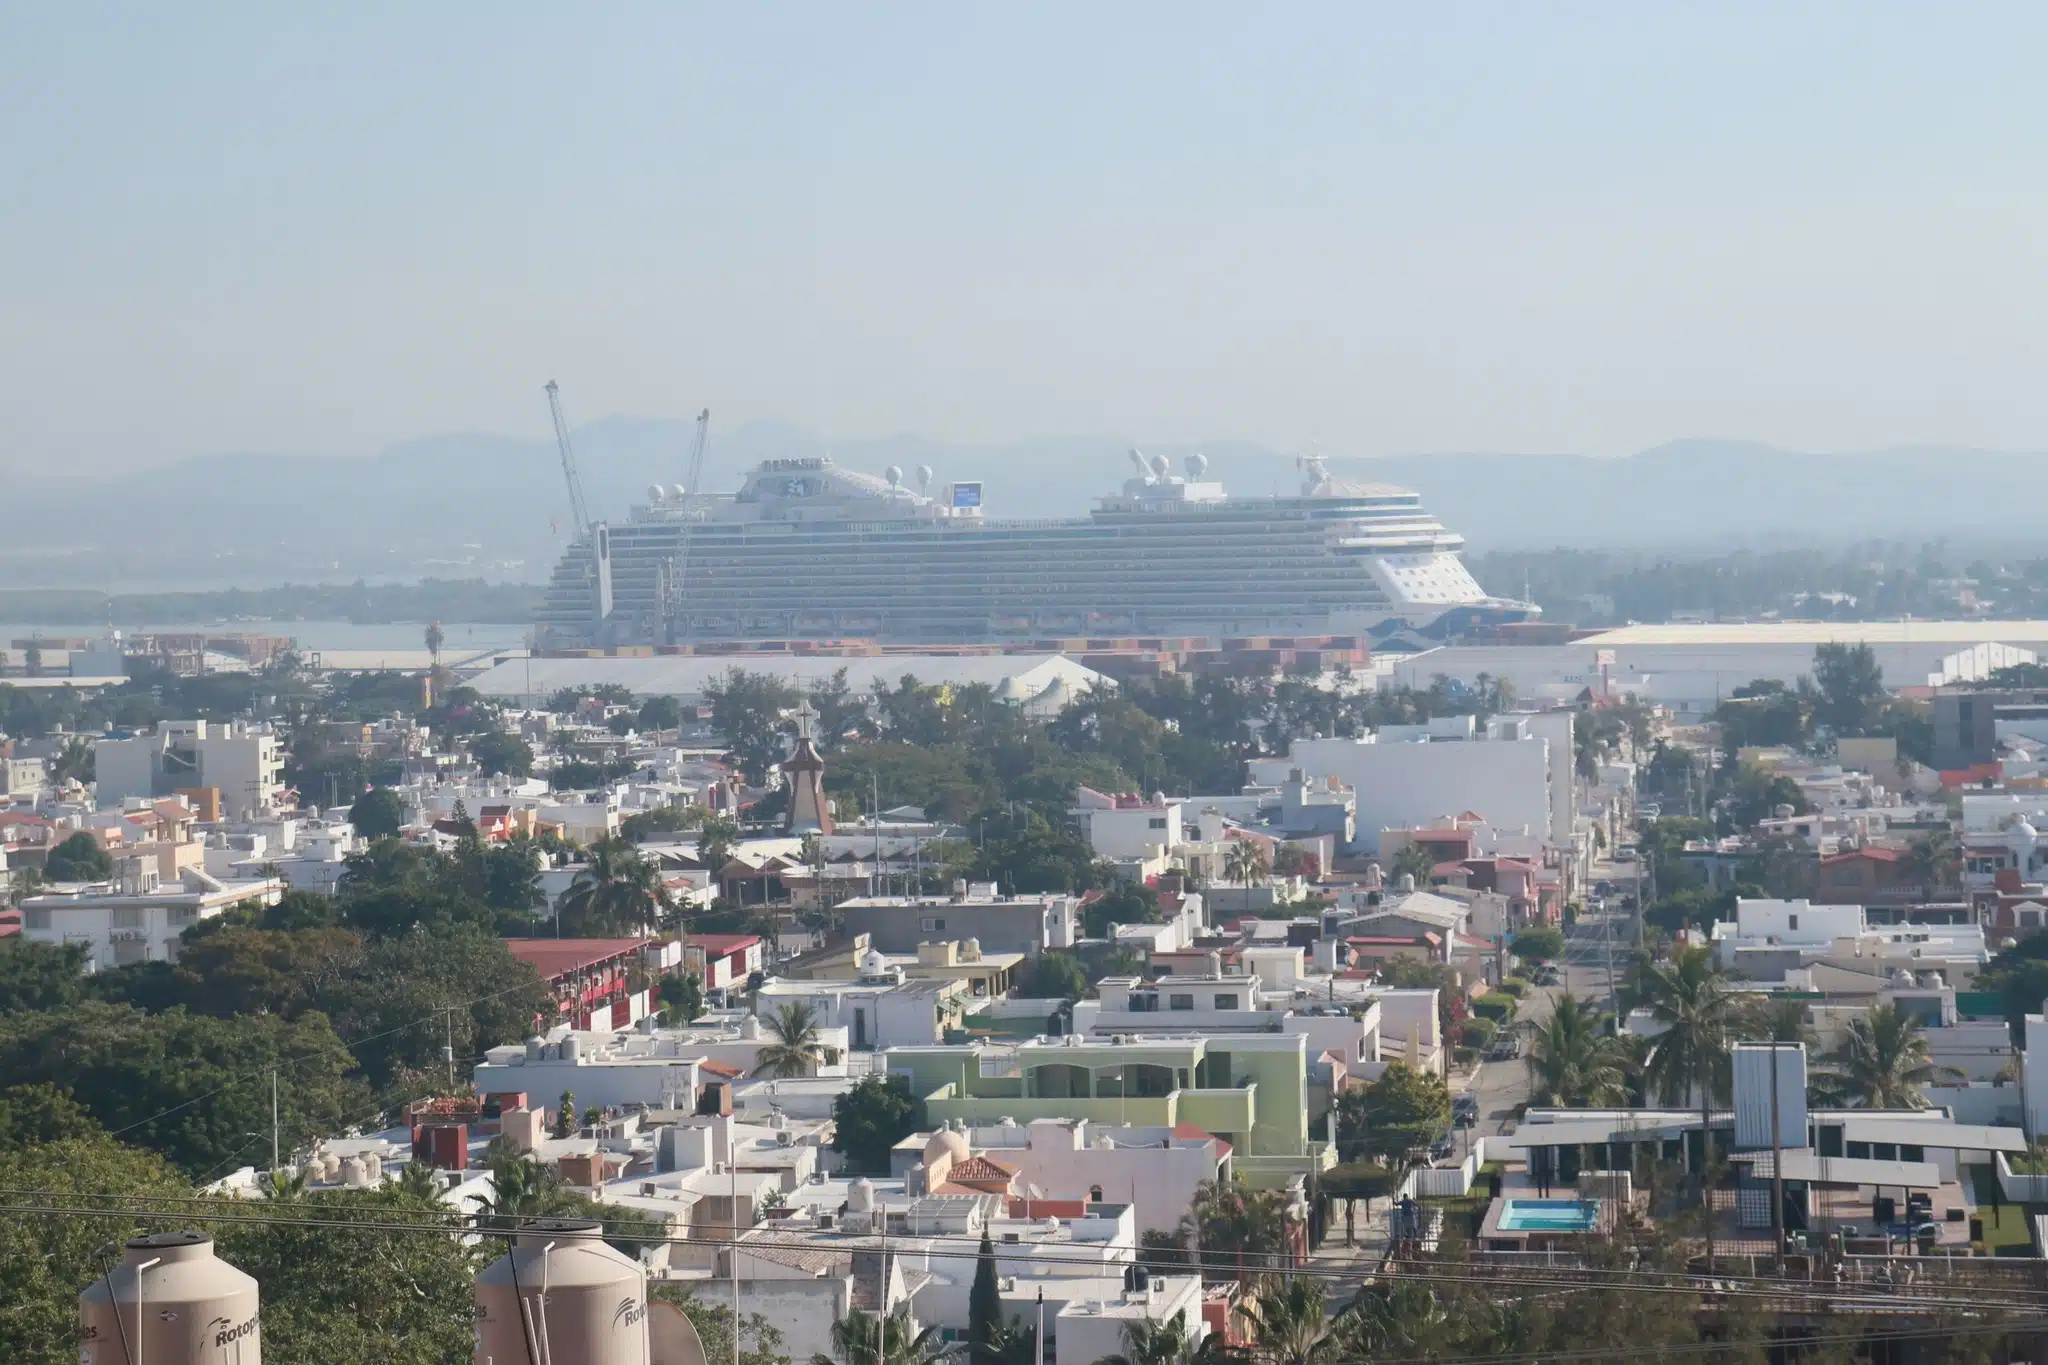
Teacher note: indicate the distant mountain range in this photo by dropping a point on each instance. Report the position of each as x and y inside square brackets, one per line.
[469, 505]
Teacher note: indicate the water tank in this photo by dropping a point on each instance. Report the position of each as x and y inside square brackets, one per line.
[750, 1028]
[562, 1294]
[373, 1168]
[354, 1173]
[170, 1302]
[860, 1195]
[330, 1167]
[570, 1047]
[536, 1048]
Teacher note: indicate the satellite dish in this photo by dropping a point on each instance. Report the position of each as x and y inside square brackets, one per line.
[894, 474]
[924, 477]
[1198, 465]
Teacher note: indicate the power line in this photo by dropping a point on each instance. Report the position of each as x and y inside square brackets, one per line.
[1589, 1280]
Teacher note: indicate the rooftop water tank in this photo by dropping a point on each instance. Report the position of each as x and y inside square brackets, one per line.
[570, 1048]
[562, 1294]
[536, 1048]
[170, 1302]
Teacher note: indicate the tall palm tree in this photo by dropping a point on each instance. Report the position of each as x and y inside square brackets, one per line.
[799, 1044]
[1770, 1019]
[1934, 860]
[1245, 862]
[1689, 1059]
[1572, 1062]
[1149, 1341]
[1882, 1063]
[854, 1341]
[417, 1180]
[520, 1188]
[1289, 1323]
[1229, 1216]
[617, 891]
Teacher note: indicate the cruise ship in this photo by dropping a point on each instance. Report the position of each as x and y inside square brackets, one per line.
[809, 551]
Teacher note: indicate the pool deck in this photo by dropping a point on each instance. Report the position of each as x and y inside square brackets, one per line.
[1517, 1187]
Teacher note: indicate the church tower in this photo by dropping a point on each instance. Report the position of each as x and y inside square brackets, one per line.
[804, 770]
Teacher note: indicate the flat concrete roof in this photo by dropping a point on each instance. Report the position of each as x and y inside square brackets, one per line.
[1822, 632]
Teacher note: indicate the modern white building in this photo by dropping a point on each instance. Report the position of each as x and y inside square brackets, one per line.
[1126, 826]
[880, 1009]
[139, 918]
[242, 763]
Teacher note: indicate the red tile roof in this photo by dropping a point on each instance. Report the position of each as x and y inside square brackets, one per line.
[718, 945]
[720, 1069]
[558, 957]
[1190, 1131]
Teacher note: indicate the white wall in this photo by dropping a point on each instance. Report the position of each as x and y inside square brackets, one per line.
[2035, 1077]
[650, 1081]
[1405, 785]
[1796, 921]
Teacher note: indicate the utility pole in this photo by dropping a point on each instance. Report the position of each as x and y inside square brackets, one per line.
[1777, 1166]
[273, 1118]
[448, 1050]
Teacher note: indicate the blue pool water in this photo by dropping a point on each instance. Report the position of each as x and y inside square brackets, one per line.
[1547, 1215]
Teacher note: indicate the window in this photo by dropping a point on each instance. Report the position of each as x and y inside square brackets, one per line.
[1158, 822]
[1181, 1000]
[1226, 1000]
[38, 918]
[1846, 876]
[182, 915]
[1095, 1194]
[1792, 922]
[932, 924]
[127, 917]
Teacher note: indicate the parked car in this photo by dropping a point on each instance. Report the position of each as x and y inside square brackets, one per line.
[1441, 1149]
[1465, 1111]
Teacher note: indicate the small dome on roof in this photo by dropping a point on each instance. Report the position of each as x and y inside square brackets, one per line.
[945, 1143]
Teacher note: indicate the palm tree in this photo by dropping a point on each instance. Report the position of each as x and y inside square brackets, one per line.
[799, 1044]
[1244, 863]
[1882, 1063]
[1571, 1062]
[853, 1341]
[1774, 1020]
[1288, 1322]
[520, 1188]
[1227, 1215]
[1155, 1342]
[617, 891]
[1689, 1059]
[416, 1179]
[1414, 860]
[1934, 860]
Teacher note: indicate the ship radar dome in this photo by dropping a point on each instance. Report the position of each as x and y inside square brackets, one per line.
[655, 492]
[1198, 465]
[894, 474]
[924, 478]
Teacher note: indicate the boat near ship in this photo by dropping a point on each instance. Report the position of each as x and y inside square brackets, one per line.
[809, 551]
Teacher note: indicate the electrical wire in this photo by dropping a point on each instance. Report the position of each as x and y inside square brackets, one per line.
[133, 1207]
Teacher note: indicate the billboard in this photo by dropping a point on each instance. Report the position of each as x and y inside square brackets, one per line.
[967, 495]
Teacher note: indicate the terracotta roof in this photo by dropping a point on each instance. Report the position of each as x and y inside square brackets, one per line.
[1189, 1130]
[982, 1168]
[556, 957]
[720, 1069]
[1876, 851]
[721, 944]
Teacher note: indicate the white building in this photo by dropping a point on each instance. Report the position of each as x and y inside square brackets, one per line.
[1517, 774]
[137, 919]
[242, 763]
[881, 1009]
[1132, 827]
[656, 1067]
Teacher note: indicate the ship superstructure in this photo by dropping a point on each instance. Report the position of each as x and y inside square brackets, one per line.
[807, 550]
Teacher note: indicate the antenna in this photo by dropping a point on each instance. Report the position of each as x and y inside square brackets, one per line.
[578, 508]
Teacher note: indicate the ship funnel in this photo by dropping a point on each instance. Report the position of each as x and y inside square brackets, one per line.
[562, 1294]
[170, 1302]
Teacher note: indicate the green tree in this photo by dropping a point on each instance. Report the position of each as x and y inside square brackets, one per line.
[41, 977]
[616, 892]
[1883, 1063]
[1413, 860]
[798, 1045]
[377, 813]
[1052, 975]
[1354, 1180]
[78, 859]
[760, 1343]
[565, 1115]
[498, 752]
[46, 1259]
[1147, 1341]
[1539, 944]
[1401, 1110]
[188, 1087]
[682, 998]
[1850, 684]
[1572, 1062]
[1288, 1322]
[871, 1118]
[1250, 1224]
[746, 708]
[857, 1339]
[661, 713]
[984, 1306]
[1244, 863]
[1123, 903]
[1036, 859]
[338, 1290]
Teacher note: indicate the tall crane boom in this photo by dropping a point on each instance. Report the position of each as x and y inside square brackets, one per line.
[697, 454]
[578, 508]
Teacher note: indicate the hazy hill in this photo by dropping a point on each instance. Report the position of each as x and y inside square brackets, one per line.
[464, 504]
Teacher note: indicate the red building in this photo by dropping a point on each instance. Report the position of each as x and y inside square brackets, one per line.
[599, 983]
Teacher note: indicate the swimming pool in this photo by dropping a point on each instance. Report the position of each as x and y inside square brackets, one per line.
[1548, 1215]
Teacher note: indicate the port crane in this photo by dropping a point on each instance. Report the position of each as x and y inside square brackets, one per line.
[579, 510]
[678, 575]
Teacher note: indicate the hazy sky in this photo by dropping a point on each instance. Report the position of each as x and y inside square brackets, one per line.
[1384, 228]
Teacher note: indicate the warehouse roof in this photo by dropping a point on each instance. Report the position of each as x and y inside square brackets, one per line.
[688, 675]
[1822, 632]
